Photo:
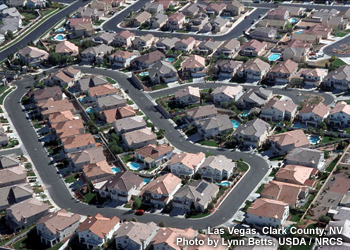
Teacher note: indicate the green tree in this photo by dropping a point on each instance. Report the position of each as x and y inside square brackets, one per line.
[324, 219]
[134, 219]
[137, 203]
[162, 223]
[211, 205]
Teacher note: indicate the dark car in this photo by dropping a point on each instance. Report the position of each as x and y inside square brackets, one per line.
[127, 91]
[140, 212]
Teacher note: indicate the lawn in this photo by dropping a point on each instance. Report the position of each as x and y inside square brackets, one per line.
[28, 16]
[177, 64]
[2, 98]
[3, 88]
[309, 200]
[89, 197]
[33, 242]
[127, 158]
[70, 179]
[177, 118]
[277, 158]
[247, 205]
[332, 165]
[209, 143]
[296, 217]
[242, 166]
[138, 112]
[110, 80]
[159, 86]
[198, 215]
[327, 139]
[37, 125]
[260, 189]
[338, 62]
[129, 102]
[99, 22]
[46, 12]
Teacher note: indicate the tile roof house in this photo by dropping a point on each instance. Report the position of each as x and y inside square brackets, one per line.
[121, 186]
[185, 164]
[253, 133]
[214, 126]
[186, 44]
[197, 194]
[26, 213]
[72, 22]
[96, 171]
[139, 138]
[68, 128]
[57, 226]
[314, 114]
[153, 155]
[60, 116]
[339, 79]
[296, 54]
[135, 235]
[219, 24]
[154, 8]
[215, 8]
[83, 29]
[65, 76]
[43, 94]
[282, 72]
[160, 191]
[14, 194]
[306, 157]
[111, 115]
[255, 98]
[285, 192]
[159, 20]
[340, 115]
[8, 161]
[67, 48]
[227, 94]
[267, 212]
[51, 106]
[166, 238]
[307, 37]
[233, 8]
[188, 95]
[129, 124]
[193, 9]
[84, 157]
[277, 110]
[193, 66]
[229, 48]
[198, 22]
[296, 174]
[253, 48]
[207, 47]
[176, 21]
[33, 56]
[144, 42]
[278, 14]
[217, 168]
[105, 37]
[279, 25]
[165, 43]
[226, 68]
[162, 72]
[79, 142]
[110, 102]
[141, 18]
[124, 38]
[312, 77]
[200, 113]
[146, 60]
[320, 30]
[88, 81]
[254, 69]
[96, 53]
[102, 91]
[264, 33]
[96, 230]
[286, 142]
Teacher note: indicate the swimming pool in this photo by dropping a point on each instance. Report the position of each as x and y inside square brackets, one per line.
[245, 113]
[299, 125]
[90, 110]
[144, 74]
[170, 59]
[224, 183]
[274, 56]
[226, 17]
[134, 166]
[146, 180]
[59, 37]
[61, 30]
[298, 32]
[293, 20]
[235, 123]
[115, 170]
[83, 99]
[314, 139]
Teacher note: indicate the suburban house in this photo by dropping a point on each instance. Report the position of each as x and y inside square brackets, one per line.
[226, 94]
[68, 128]
[26, 213]
[214, 126]
[63, 77]
[122, 59]
[278, 14]
[285, 192]
[160, 191]
[298, 54]
[254, 69]
[219, 24]
[60, 116]
[124, 38]
[67, 48]
[57, 226]
[102, 91]
[253, 48]
[185, 164]
[110, 102]
[15, 194]
[39, 95]
[287, 141]
[186, 44]
[197, 194]
[166, 238]
[83, 29]
[217, 168]
[296, 174]
[193, 9]
[139, 138]
[105, 37]
[340, 115]
[233, 8]
[162, 72]
[193, 66]
[49, 106]
[153, 155]
[12, 176]
[277, 110]
[154, 8]
[121, 187]
[146, 60]
[264, 33]
[8, 161]
[215, 8]
[279, 25]
[306, 157]
[125, 112]
[339, 79]
[253, 98]
[312, 77]
[84, 157]
[143, 42]
[32, 56]
[282, 72]
[319, 30]
[96, 171]
[229, 48]
[226, 68]
[176, 21]
[314, 114]
[307, 38]
[134, 235]
[187, 95]
[207, 47]
[267, 212]
[79, 142]
[96, 230]
[199, 22]
[253, 133]
[164, 44]
[159, 20]
[88, 81]
[200, 113]
[129, 124]
[141, 18]
[96, 53]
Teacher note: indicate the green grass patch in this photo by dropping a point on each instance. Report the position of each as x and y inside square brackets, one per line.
[198, 215]
[332, 164]
[277, 158]
[296, 217]
[127, 158]
[127, 205]
[37, 125]
[273, 172]
[2, 98]
[70, 179]
[28, 16]
[129, 102]
[110, 80]
[212, 78]
[338, 62]
[177, 118]
[209, 143]
[46, 12]
[177, 64]
[89, 197]
[3, 88]
[260, 189]
[159, 86]
[327, 139]
[247, 205]
[242, 166]
[138, 112]
[99, 22]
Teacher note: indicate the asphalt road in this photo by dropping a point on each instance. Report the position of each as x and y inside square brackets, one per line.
[291, 93]
[329, 49]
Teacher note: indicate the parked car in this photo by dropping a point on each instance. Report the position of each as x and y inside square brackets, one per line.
[140, 212]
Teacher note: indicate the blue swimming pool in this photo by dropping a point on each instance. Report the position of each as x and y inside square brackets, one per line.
[146, 180]
[61, 30]
[299, 125]
[314, 139]
[293, 20]
[59, 37]
[235, 123]
[298, 32]
[226, 17]
[170, 59]
[90, 110]
[134, 166]
[224, 183]
[245, 113]
[83, 99]
[144, 74]
[274, 56]
[115, 170]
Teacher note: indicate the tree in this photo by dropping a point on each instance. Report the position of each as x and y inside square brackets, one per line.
[134, 219]
[162, 223]
[289, 26]
[324, 219]
[137, 203]
[28, 166]
[211, 205]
